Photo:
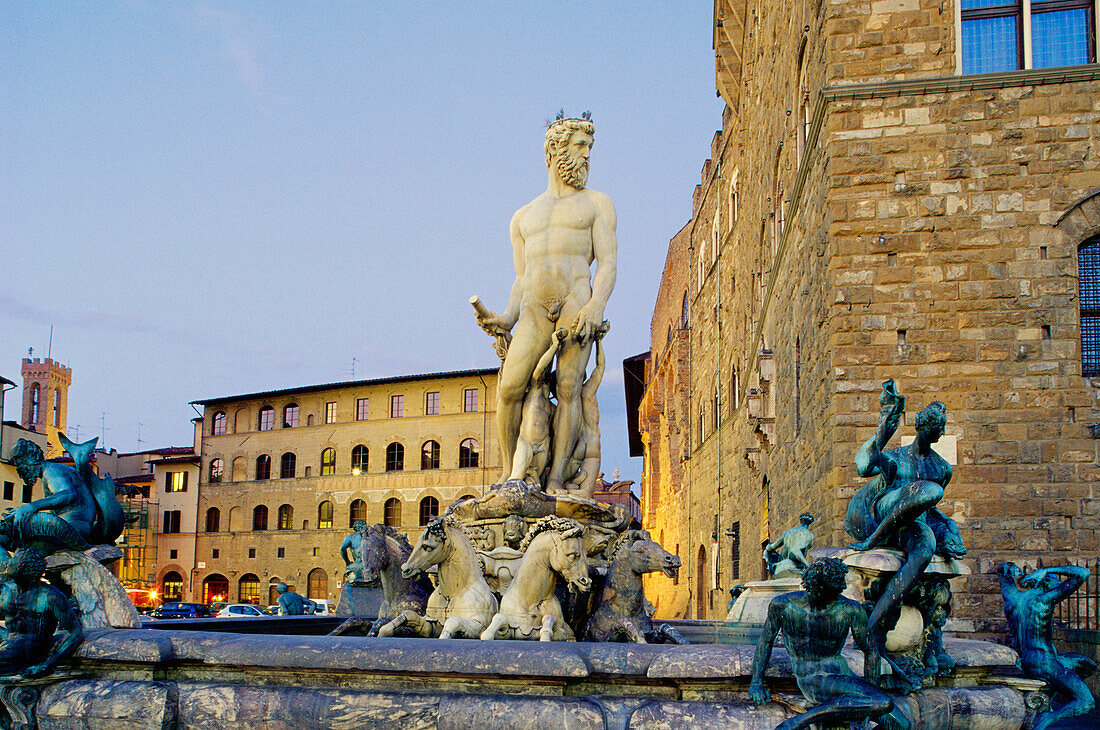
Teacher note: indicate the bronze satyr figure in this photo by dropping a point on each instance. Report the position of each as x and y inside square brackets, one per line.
[815, 624]
[1029, 606]
[32, 611]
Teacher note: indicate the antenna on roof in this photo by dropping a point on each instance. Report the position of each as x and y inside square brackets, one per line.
[354, 362]
[49, 351]
[139, 439]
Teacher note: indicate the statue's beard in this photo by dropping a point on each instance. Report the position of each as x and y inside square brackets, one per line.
[573, 170]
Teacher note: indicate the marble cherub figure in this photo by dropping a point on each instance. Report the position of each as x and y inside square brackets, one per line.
[815, 624]
[555, 240]
[1029, 608]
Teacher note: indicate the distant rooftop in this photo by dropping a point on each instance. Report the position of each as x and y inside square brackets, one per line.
[346, 384]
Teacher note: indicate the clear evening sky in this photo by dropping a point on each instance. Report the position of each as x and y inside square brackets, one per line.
[214, 198]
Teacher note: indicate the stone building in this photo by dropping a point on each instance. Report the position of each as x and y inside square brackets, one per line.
[285, 473]
[902, 189]
[46, 400]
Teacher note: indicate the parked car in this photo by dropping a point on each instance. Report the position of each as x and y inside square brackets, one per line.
[240, 610]
[323, 607]
[182, 611]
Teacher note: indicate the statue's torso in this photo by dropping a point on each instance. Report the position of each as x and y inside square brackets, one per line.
[557, 243]
[911, 466]
[814, 637]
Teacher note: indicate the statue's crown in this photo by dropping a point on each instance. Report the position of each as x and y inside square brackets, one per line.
[562, 119]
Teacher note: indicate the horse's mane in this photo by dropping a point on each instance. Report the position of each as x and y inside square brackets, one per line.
[625, 540]
[388, 531]
[567, 526]
[437, 528]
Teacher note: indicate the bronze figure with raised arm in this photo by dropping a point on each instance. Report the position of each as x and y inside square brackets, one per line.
[555, 240]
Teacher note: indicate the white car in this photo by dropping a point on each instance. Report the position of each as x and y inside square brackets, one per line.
[240, 610]
[323, 607]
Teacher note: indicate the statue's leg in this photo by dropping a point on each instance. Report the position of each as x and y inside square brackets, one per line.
[853, 700]
[495, 625]
[461, 627]
[522, 459]
[666, 634]
[1080, 665]
[529, 342]
[1064, 681]
[568, 420]
[919, 543]
[632, 631]
[546, 633]
[901, 508]
[354, 623]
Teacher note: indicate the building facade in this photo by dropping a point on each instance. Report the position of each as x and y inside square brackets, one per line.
[285, 474]
[901, 189]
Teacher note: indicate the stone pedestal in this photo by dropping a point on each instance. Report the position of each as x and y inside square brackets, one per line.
[751, 607]
[359, 600]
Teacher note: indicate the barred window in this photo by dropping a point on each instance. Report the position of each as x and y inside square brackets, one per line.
[395, 457]
[392, 514]
[324, 515]
[429, 510]
[1088, 276]
[362, 408]
[217, 468]
[469, 401]
[288, 463]
[431, 404]
[219, 424]
[429, 455]
[328, 462]
[290, 416]
[360, 458]
[286, 517]
[330, 412]
[263, 467]
[468, 454]
[267, 418]
[397, 406]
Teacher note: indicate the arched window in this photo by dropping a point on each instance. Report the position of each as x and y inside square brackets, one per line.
[259, 518]
[391, 515]
[395, 457]
[1088, 282]
[36, 402]
[328, 462]
[290, 415]
[701, 592]
[57, 408]
[215, 588]
[358, 512]
[467, 454]
[429, 510]
[171, 586]
[318, 584]
[263, 467]
[359, 459]
[266, 420]
[249, 589]
[684, 320]
[218, 427]
[288, 464]
[213, 519]
[324, 515]
[217, 468]
[286, 518]
[429, 455]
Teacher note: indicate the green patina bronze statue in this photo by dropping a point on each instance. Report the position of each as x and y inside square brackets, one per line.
[33, 611]
[815, 624]
[290, 603]
[349, 551]
[897, 509]
[79, 508]
[786, 557]
[1029, 606]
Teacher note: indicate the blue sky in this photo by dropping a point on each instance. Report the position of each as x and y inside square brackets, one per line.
[214, 198]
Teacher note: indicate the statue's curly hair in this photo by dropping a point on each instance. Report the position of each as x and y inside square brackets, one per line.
[559, 132]
[935, 412]
[826, 576]
[27, 562]
[567, 526]
[27, 456]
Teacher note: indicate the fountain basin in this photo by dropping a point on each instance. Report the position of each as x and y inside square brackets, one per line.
[172, 678]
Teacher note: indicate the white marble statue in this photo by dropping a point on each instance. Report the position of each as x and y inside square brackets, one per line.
[555, 240]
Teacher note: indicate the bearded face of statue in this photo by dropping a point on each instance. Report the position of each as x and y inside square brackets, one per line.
[571, 160]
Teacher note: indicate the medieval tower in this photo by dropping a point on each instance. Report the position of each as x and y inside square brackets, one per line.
[46, 400]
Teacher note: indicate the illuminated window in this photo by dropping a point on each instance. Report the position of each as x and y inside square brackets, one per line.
[328, 462]
[468, 454]
[175, 481]
[267, 418]
[290, 416]
[431, 404]
[218, 428]
[362, 408]
[330, 412]
[395, 457]
[324, 515]
[359, 458]
[286, 517]
[429, 455]
[397, 406]
[250, 589]
[469, 401]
